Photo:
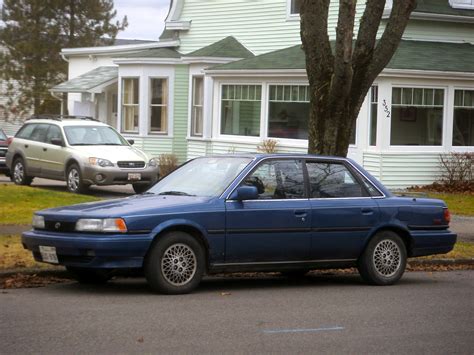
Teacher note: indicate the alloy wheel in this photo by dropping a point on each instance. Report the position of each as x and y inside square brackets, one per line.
[178, 264]
[387, 258]
[18, 172]
[73, 180]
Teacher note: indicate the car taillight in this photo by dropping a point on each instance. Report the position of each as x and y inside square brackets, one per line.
[9, 140]
[447, 216]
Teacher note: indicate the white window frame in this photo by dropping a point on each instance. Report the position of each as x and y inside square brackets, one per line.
[290, 16]
[413, 148]
[192, 124]
[462, 4]
[457, 148]
[122, 104]
[150, 105]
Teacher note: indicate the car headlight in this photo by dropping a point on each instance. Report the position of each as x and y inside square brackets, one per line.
[38, 222]
[153, 163]
[100, 162]
[101, 225]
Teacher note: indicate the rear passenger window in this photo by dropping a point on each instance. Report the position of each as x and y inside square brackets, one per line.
[278, 179]
[25, 131]
[39, 133]
[332, 180]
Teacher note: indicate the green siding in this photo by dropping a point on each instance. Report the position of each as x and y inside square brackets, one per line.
[180, 121]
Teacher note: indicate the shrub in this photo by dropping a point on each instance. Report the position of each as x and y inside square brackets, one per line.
[268, 146]
[457, 172]
[167, 164]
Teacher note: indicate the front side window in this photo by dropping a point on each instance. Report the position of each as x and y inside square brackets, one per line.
[130, 104]
[197, 104]
[463, 125]
[278, 179]
[417, 116]
[159, 106]
[53, 132]
[288, 111]
[39, 133]
[332, 180]
[241, 108]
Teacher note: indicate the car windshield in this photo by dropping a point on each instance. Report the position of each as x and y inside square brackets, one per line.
[93, 135]
[203, 177]
[3, 137]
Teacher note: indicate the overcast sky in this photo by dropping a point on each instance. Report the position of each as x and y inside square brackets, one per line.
[145, 17]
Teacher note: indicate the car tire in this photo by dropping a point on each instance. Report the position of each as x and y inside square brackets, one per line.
[90, 275]
[19, 175]
[140, 188]
[384, 259]
[175, 264]
[74, 181]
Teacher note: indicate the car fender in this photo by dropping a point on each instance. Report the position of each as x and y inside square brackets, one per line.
[173, 224]
[9, 158]
[395, 226]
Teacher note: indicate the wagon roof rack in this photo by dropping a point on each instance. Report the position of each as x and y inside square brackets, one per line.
[61, 117]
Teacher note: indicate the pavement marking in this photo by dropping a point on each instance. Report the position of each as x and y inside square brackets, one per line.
[302, 330]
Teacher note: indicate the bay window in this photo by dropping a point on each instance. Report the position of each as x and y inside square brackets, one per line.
[196, 108]
[288, 112]
[417, 116]
[463, 125]
[158, 106]
[240, 110]
[130, 105]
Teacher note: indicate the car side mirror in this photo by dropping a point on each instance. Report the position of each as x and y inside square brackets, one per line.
[131, 141]
[57, 141]
[244, 193]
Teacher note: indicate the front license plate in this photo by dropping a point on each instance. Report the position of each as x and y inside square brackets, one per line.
[48, 254]
[134, 176]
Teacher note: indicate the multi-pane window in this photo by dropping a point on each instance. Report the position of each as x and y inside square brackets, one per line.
[130, 104]
[295, 6]
[417, 116]
[197, 104]
[278, 179]
[159, 106]
[374, 99]
[288, 111]
[332, 180]
[241, 108]
[463, 125]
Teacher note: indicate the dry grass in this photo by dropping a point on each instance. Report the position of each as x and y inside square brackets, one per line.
[13, 256]
[459, 204]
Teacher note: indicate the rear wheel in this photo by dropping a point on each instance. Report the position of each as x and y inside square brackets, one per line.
[90, 275]
[175, 264]
[384, 260]
[74, 180]
[19, 175]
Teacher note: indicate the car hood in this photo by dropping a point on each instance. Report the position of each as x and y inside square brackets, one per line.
[127, 207]
[113, 153]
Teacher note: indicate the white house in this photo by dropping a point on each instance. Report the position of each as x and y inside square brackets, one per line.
[227, 74]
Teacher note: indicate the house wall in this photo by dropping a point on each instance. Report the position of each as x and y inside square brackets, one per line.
[439, 31]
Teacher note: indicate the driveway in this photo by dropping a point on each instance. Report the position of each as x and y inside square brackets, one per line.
[429, 313]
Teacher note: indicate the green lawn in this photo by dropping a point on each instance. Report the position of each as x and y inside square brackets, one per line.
[459, 204]
[18, 203]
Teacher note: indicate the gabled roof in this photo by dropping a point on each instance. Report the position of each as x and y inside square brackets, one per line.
[441, 7]
[228, 47]
[89, 81]
[155, 53]
[410, 55]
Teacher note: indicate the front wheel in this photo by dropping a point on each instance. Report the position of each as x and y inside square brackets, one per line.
[19, 175]
[384, 259]
[74, 180]
[175, 264]
[90, 275]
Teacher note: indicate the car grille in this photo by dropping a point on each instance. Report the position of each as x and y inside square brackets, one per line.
[3, 152]
[57, 226]
[131, 164]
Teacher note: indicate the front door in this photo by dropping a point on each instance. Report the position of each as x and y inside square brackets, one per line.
[276, 226]
[343, 211]
[54, 156]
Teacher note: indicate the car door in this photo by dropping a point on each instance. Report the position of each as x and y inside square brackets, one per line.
[33, 149]
[276, 226]
[343, 212]
[54, 156]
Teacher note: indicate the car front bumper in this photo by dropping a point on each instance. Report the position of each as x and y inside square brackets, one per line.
[91, 250]
[116, 176]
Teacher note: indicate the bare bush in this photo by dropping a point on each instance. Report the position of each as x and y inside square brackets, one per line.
[167, 164]
[268, 146]
[457, 168]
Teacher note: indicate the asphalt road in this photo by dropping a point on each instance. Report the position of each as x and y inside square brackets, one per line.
[426, 313]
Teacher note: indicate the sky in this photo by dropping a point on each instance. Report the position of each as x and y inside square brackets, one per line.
[145, 17]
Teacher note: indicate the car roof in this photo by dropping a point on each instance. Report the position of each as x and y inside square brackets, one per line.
[260, 156]
[68, 122]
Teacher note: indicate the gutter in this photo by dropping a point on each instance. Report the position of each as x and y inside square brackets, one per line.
[117, 49]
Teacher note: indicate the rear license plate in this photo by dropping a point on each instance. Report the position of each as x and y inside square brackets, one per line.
[48, 254]
[134, 176]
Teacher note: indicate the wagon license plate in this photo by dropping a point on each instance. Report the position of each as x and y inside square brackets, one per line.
[134, 176]
[48, 254]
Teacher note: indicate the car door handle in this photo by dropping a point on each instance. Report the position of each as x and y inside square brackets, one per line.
[300, 214]
[367, 211]
[26, 145]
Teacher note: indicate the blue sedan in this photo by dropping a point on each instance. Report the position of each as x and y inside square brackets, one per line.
[288, 213]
